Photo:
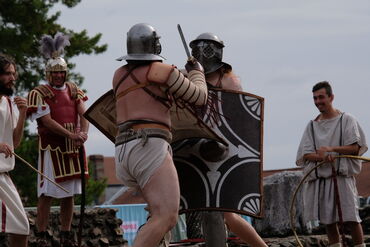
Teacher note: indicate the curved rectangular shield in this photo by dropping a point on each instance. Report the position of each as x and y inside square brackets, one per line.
[235, 182]
[185, 123]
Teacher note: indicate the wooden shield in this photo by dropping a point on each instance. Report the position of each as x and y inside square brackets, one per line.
[234, 183]
[185, 122]
[102, 114]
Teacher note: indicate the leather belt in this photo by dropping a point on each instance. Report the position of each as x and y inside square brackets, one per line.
[141, 124]
[143, 134]
[149, 126]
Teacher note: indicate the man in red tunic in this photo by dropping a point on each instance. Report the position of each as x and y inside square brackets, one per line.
[58, 108]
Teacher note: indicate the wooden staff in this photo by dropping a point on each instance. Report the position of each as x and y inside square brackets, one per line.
[33, 168]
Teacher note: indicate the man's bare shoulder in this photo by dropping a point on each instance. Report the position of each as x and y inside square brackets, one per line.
[231, 81]
[119, 71]
[118, 74]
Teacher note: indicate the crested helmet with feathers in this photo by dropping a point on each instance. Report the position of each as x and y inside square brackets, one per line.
[52, 49]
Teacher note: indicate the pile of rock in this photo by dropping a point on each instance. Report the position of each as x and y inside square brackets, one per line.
[101, 228]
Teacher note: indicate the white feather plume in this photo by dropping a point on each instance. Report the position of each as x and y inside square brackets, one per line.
[53, 47]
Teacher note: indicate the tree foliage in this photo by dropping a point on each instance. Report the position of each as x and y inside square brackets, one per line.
[22, 23]
[23, 176]
[94, 188]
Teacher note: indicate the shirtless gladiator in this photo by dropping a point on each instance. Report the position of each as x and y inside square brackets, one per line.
[144, 90]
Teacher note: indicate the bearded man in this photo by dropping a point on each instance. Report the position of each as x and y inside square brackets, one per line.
[13, 217]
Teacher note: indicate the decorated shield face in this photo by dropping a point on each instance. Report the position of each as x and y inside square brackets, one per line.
[229, 179]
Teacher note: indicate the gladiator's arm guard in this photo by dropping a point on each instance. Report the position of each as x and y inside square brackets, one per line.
[192, 89]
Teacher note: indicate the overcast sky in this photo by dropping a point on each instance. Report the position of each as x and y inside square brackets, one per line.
[279, 49]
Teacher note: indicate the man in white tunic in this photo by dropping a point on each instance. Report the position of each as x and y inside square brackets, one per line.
[332, 133]
[13, 218]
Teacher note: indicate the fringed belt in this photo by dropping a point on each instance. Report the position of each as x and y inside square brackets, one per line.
[143, 134]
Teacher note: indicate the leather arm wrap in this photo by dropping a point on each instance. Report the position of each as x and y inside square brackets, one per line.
[192, 90]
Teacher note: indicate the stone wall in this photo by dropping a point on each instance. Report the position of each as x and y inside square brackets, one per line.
[278, 191]
[101, 228]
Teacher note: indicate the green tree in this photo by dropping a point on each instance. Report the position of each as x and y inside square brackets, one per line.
[22, 23]
[94, 188]
[24, 177]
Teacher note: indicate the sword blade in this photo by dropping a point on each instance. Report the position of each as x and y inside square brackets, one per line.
[183, 41]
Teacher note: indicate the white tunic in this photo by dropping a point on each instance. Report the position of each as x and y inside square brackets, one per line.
[13, 218]
[319, 193]
[7, 124]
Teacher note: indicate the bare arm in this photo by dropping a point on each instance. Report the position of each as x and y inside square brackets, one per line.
[312, 157]
[321, 153]
[231, 81]
[56, 128]
[18, 131]
[352, 149]
[84, 124]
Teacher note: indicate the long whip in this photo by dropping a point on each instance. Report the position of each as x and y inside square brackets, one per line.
[292, 214]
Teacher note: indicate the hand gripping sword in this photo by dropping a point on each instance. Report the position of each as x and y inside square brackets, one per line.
[33, 168]
[190, 57]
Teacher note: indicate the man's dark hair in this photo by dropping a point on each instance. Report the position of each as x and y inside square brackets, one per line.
[323, 84]
[5, 61]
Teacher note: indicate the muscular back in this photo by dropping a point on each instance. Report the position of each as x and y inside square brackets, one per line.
[138, 104]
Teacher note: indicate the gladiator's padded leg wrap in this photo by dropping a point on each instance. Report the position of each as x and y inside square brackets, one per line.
[192, 90]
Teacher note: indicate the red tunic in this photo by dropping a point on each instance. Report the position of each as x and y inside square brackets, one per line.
[66, 157]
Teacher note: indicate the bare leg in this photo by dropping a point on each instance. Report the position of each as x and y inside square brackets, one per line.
[17, 240]
[333, 233]
[66, 213]
[43, 210]
[356, 232]
[162, 193]
[243, 230]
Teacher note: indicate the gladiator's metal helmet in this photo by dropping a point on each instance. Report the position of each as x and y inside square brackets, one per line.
[142, 44]
[52, 49]
[207, 49]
